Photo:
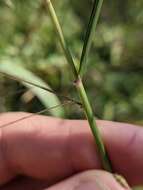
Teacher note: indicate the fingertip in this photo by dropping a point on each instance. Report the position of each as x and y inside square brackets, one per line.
[93, 180]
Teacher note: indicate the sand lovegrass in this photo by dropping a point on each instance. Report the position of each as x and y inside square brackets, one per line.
[78, 69]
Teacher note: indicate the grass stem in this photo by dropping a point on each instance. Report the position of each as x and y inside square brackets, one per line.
[61, 37]
[92, 123]
[81, 91]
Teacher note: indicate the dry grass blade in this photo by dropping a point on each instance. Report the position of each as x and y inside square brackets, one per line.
[33, 114]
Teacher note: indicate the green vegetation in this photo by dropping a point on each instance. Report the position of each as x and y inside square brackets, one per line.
[115, 69]
[30, 50]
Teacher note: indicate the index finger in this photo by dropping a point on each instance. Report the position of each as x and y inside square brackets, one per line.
[52, 149]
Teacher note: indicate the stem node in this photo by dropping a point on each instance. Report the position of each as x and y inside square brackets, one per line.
[80, 87]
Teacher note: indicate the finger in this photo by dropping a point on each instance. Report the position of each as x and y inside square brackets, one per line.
[52, 149]
[23, 183]
[93, 180]
[87, 180]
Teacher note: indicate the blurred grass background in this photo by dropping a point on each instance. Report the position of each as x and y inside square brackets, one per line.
[115, 66]
[114, 78]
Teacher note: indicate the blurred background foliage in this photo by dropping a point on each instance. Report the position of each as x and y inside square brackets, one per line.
[114, 75]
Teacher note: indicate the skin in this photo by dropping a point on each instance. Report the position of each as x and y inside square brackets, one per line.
[54, 154]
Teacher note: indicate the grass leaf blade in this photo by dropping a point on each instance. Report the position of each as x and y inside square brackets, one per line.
[23, 75]
[33, 114]
[90, 32]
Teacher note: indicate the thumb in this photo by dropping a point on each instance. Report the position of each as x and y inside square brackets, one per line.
[91, 180]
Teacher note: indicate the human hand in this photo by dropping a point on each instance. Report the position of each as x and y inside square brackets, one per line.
[44, 150]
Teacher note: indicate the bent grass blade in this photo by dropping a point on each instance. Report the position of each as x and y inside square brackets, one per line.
[41, 87]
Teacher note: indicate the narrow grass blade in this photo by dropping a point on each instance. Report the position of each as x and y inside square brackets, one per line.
[33, 114]
[97, 5]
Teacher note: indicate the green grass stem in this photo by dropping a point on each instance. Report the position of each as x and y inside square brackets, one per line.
[81, 91]
[61, 37]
